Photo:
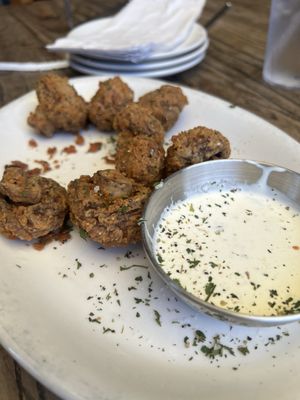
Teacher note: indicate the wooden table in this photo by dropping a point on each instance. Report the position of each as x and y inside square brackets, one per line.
[231, 70]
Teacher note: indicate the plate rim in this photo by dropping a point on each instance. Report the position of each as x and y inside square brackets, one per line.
[142, 66]
[151, 73]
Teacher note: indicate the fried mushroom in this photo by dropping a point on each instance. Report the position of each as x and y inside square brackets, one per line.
[166, 104]
[195, 146]
[139, 120]
[140, 158]
[30, 206]
[112, 95]
[107, 206]
[60, 108]
[20, 187]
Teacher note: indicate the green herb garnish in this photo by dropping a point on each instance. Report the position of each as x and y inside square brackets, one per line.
[177, 281]
[83, 234]
[159, 258]
[193, 263]
[244, 350]
[157, 317]
[217, 349]
[123, 209]
[209, 288]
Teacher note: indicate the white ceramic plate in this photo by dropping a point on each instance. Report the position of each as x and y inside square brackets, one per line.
[132, 67]
[47, 297]
[151, 73]
[195, 39]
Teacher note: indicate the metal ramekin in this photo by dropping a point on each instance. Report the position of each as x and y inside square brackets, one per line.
[198, 179]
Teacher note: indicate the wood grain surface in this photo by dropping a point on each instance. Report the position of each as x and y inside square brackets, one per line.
[232, 70]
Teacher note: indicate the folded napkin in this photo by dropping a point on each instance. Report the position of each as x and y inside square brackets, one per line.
[33, 66]
[139, 29]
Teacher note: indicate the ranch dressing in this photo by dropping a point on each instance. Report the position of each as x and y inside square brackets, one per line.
[235, 249]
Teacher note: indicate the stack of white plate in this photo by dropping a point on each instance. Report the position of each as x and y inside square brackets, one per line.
[188, 54]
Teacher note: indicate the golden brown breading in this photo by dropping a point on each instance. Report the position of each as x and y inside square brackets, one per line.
[34, 209]
[112, 95]
[108, 206]
[38, 120]
[20, 187]
[60, 107]
[166, 103]
[140, 158]
[139, 120]
[195, 146]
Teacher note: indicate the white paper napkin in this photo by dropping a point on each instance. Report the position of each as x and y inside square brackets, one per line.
[139, 29]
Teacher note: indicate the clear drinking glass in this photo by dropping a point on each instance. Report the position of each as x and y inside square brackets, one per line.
[282, 58]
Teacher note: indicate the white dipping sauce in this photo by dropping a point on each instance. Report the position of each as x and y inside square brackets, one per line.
[236, 249]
